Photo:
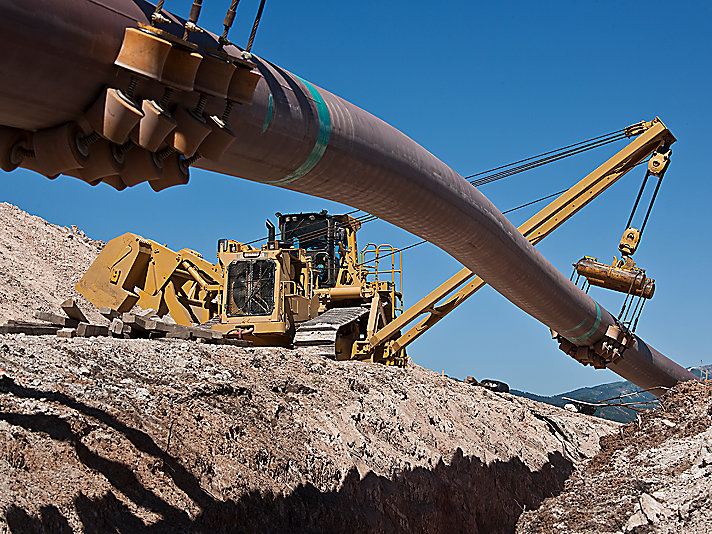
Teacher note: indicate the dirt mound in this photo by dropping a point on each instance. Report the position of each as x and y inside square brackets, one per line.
[176, 436]
[102, 434]
[653, 475]
[40, 263]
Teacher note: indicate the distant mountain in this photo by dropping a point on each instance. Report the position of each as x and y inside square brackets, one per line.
[703, 371]
[600, 393]
[608, 391]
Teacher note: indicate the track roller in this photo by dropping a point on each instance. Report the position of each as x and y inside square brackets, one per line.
[113, 115]
[143, 52]
[180, 68]
[189, 134]
[106, 159]
[214, 75]
[175, 172]
[140, 166]
[218, 141]
[115, 182]
[154, 127]
[74, 173]
[13, 147]
[58, 150]
[242, 85]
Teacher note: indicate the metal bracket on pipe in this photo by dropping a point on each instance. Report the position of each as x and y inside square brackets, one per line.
[614, 343]
[607, 350]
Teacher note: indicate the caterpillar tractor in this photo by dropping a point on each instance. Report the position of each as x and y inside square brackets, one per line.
[310, 288]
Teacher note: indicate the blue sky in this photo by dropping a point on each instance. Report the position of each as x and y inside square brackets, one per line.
[479, 85]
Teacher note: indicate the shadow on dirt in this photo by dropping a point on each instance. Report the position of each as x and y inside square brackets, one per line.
[465, 496]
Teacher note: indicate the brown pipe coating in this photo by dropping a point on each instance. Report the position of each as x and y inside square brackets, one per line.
[301, 137]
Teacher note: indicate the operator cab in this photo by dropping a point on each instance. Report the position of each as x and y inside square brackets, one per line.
[323, 237]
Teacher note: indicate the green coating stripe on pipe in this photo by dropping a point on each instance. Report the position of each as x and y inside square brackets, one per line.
[268, 118]
[575, 327]
[322, 139]
[588, 334]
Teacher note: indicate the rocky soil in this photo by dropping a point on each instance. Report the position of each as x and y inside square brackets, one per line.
[103, 435]
[114, 435]
[40, 263]
[651, 476]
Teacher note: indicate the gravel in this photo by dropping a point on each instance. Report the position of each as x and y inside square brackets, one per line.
[653, 475]
[40, 263]
[138, 435]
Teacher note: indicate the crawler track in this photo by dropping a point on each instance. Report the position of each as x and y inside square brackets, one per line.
[319, 334]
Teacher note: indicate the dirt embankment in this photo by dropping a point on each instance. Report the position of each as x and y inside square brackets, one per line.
[104, 435]
[40, 263]
[652, 476]
[174, 436]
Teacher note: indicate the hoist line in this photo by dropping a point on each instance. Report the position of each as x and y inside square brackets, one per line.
[505, 172]
[422, 242]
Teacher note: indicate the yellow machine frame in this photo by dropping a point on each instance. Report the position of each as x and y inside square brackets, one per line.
[463, 284]
[194, 290]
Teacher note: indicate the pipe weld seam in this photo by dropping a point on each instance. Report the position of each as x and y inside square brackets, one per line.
[593, 329]
[322, 138]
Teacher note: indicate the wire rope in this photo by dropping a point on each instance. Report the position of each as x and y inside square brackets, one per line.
[255, 25]
[422, 242]
[505, 171]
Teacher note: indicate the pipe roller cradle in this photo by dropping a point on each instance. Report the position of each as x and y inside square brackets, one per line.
[59, 56]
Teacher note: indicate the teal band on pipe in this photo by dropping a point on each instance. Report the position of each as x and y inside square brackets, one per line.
[322, 138]
[588, 334]
[576, 327]
[268, 118]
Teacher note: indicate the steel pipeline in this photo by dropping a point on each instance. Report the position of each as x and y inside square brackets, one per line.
[301, 137]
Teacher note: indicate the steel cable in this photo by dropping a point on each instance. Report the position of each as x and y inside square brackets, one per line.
[555, 156]
[255, 25]
[227, 23]
[506, 171]
[610, 134]
[422, 242]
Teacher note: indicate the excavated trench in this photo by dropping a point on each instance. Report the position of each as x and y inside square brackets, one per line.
[103, 434]
[465, 496]
[252, 457]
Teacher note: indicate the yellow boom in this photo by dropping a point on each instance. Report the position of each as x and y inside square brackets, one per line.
[650, 135]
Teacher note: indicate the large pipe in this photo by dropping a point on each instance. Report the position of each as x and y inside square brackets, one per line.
[301, 137]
